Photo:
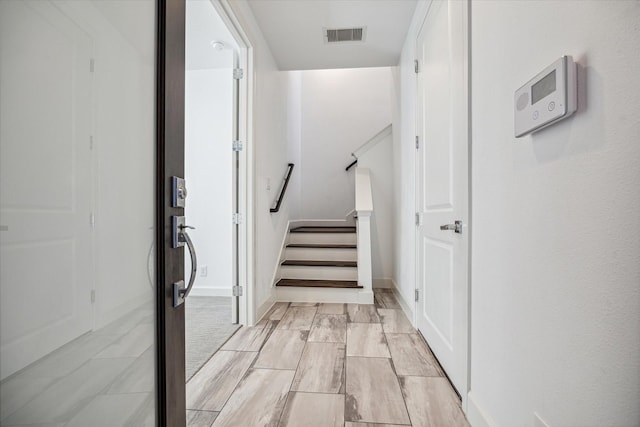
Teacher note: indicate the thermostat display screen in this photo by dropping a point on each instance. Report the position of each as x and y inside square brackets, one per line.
[544, 87]
[547, 98]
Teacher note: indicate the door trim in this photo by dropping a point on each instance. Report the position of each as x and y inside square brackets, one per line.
[246, 309]
[170, 323]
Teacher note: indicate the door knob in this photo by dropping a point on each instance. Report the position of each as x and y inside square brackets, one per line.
[456, 227]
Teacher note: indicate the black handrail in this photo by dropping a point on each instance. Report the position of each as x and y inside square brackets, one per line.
[355, 162]
[284, 188]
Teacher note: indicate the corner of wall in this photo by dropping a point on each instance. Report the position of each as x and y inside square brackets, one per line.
[406, 307]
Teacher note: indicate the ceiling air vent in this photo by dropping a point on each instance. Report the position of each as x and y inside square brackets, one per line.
[344, 35]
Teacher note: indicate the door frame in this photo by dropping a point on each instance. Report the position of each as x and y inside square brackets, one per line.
[245, 187]
[170, 148]
[170, 108]
[417, 197]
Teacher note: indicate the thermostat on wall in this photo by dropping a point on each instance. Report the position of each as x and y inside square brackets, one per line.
[547, 98]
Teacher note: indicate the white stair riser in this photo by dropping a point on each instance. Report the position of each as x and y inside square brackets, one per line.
[322, 254]
[357, 296]
[318, 273]
[324, 238]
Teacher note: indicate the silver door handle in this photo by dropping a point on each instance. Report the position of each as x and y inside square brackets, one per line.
[180, 237]
[456, 227]
[180, 293]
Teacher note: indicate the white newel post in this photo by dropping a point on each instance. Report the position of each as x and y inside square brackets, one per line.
[364, 209]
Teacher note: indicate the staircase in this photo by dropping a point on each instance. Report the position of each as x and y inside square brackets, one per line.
[320, 257]
[330, 261]
[320, 264]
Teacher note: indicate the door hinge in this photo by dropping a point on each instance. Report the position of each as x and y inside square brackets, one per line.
[417, 295]
[418, 219]
[92, 220]
[238, 73]
[237, 291]
[416, 66]
[237, 218]
[417, 142]
[92, 65]
[93, 296]
[90, 142]
[237, 146]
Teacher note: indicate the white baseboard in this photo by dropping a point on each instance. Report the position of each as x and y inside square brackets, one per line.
[263, 309]
[211, 292]
[406, 307]
[476, 416]
[382, 282]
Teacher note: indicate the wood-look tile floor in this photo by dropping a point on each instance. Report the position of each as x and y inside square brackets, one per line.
[322, 365]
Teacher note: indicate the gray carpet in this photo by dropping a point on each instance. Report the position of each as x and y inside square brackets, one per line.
[208, 326]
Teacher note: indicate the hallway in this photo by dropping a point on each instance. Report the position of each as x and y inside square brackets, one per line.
[325, 365]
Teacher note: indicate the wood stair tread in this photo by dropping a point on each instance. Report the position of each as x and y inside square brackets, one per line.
[348, 284]
[323, 230]
[297, 262]
[321, 246]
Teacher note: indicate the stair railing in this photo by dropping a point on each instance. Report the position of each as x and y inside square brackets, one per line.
[283, 189]
[372, 142]
[364, 209]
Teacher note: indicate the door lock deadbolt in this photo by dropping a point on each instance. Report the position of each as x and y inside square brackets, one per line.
[178, 192]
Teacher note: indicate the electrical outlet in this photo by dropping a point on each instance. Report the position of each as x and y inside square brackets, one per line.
[268, 184]
[204, 271]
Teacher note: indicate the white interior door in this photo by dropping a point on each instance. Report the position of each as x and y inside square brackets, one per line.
[45, 169]
[442, 165]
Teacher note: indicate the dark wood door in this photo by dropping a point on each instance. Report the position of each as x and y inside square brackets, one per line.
[170, 162]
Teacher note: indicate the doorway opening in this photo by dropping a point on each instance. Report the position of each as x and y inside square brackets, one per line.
[215, 170]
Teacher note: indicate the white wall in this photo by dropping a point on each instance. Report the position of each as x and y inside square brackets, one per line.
[341, 110]
[269, 143]
[294, 138]
[556, 229]
[378, 161]
[209, 174]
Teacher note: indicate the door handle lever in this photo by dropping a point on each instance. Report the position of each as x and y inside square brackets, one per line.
[181, 238]
[180, 293]
[456, 227]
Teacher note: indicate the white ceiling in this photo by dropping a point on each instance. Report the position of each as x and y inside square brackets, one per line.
[293, 30]
[204, 25]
